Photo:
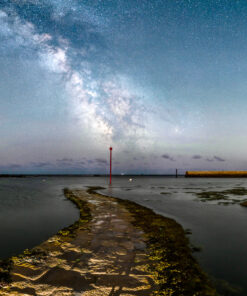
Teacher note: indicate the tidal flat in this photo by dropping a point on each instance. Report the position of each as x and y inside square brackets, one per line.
[116, 247]
[225, 197]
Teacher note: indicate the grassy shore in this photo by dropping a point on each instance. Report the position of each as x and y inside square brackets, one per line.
[164, 266]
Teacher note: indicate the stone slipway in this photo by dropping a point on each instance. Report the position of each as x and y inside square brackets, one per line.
[116, 248]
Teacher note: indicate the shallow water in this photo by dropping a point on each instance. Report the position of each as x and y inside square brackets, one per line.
[32, 209]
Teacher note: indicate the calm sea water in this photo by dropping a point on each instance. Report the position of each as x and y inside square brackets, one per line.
[33, 209]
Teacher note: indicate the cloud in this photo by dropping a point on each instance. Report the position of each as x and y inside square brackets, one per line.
[65, 160]
[41, 164]
[11, 166]
[14, 166]
[101, 161]
[219, 158]
[167, 156]
[215, 158]
[196, 156]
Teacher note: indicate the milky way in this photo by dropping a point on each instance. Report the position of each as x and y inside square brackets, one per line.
[150, 78]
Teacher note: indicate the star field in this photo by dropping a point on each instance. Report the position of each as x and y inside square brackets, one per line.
[150, 78]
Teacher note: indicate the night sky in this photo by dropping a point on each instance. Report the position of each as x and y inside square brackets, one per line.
[163, 82]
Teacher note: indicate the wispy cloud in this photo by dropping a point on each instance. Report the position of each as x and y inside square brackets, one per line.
[41, 164]
[209, 159]
[65, 160]
[219, 158]
[167, 156]
[197, 156]
[101, 161]
[14, 166]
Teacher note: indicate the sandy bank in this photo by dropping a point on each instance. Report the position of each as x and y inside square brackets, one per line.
[116, 248]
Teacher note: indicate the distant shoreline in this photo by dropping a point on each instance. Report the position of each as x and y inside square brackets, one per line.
[85, 175]
[188, 174]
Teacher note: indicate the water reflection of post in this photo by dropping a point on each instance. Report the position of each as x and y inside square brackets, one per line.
[110, 162]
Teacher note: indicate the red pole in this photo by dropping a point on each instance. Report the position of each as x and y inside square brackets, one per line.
[110, 162]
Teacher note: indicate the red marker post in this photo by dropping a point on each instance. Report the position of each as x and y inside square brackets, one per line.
[110, 162]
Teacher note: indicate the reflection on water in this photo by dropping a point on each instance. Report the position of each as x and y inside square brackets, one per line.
[32, 209]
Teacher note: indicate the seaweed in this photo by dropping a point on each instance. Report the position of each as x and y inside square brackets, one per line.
[188, 231]
[236, 191]
[195, 248]
[35, 252]
[211, 195]
[223, 196]
[244, 203]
